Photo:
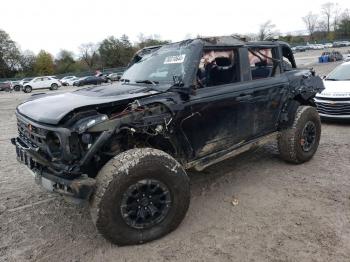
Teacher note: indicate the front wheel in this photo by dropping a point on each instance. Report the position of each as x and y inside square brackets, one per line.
[299, 143]
[141, 195]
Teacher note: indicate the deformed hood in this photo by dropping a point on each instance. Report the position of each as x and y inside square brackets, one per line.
[50, 109]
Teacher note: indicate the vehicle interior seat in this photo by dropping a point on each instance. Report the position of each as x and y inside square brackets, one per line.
[261, 70]
[223, 72]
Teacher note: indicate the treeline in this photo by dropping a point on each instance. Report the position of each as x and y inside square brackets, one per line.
[111, 52]
[331, 23]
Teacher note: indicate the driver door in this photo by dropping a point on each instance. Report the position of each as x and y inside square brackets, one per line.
[38, 83]
[220, 110]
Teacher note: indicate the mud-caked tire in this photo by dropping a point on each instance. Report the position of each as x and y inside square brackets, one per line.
[299, 143]
[141, 195]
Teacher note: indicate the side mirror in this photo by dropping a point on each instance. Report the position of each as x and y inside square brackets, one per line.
[324, 77]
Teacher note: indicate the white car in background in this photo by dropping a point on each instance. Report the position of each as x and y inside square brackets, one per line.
[346, 57]
[334, 101]
[42, 82]
[71, 81]
[67, 80]
[25, 80]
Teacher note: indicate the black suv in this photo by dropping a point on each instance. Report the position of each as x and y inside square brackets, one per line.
[125, 147]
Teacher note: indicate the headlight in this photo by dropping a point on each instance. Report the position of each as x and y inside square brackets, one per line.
[82, 125]
[54, 144]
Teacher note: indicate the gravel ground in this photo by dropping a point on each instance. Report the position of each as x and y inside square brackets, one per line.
[285, 212]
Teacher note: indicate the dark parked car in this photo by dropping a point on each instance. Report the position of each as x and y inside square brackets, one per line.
[89, 80]
[185, 105]
[300, 48]
[104, 77]
[6, 86]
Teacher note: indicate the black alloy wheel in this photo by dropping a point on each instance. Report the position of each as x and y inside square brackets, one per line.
[145, 203]
[308, 136]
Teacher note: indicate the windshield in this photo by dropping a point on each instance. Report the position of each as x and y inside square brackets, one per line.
[160, 67]
[340, 73]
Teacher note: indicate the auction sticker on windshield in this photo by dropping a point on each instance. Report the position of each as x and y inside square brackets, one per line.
[175, 59]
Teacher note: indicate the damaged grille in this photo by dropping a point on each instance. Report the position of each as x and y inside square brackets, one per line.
[31, 134]
[330, 107]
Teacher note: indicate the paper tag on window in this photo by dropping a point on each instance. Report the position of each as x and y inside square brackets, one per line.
[175, 59]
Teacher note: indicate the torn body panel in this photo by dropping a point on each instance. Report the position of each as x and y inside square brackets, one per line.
[303, 87]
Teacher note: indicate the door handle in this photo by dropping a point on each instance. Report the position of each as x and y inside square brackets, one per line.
[243, 97]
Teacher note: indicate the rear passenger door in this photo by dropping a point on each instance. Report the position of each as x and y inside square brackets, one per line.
[269, 87]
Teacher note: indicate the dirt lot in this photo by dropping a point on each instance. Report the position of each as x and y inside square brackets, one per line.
[284, 213]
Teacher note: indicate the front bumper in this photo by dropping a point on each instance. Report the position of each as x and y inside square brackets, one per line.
[79, 188]
[333, 108]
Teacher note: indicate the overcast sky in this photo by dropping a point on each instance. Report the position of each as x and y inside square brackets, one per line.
[65, 24]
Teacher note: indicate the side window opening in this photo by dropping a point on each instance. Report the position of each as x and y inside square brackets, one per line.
[288, 62]
[287, 66]
[217, 67]
[263, 63]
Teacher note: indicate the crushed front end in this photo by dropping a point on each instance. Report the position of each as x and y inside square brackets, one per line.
[47, 152]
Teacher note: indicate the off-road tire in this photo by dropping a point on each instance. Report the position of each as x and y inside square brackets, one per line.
[54, 86]
[118, 175]
[27, 89]
[290, 140]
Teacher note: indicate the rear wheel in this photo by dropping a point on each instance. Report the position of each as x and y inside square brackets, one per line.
[54, 86]
[27, 89]
[299, 143]
[141, 195]
[17, 88]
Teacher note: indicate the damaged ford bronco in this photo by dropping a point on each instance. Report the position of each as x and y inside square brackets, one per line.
[125, 147]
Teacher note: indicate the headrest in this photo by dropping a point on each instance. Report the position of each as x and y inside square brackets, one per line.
[261, 63]
[223, 61]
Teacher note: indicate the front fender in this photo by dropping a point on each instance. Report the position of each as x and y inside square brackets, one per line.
[304, 85]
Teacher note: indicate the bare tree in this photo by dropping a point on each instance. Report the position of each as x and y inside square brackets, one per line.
[252, 37]
[267, 30]
[88, 54]
[336, 16]
[327, 11]
[310, 21]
